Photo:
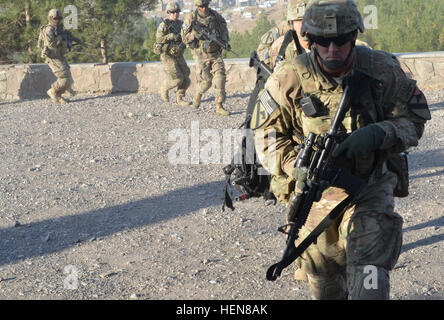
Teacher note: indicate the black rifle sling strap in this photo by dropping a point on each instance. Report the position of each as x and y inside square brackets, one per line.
[288, 37]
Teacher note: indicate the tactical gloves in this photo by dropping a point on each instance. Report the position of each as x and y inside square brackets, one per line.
[361, 142]
[300, 177]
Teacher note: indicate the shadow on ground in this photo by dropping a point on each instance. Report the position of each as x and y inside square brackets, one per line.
[31, 240]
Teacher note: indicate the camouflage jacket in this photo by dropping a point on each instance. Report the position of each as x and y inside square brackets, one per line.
[166, 30]
[269, 38]
[290, 52]
[394, 103]
[213, 23]
[50, 42]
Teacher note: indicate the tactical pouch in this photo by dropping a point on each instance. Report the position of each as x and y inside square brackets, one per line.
[398, 163]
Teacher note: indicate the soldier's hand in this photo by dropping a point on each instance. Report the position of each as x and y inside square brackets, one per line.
[171, 36]
[300, 178]
[361, 142]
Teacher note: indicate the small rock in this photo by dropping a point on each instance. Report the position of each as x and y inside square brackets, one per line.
[17, 224]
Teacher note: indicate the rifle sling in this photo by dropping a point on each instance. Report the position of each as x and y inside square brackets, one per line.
[275, 270]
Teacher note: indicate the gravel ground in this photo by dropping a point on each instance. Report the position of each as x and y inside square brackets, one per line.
[92, 208]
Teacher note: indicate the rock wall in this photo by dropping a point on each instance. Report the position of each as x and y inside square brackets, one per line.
[33, 80]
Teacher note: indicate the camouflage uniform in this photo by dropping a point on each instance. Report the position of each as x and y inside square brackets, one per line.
[369, 232]
[168, 38]
[271, 41]
[210, 66]
[53, 51]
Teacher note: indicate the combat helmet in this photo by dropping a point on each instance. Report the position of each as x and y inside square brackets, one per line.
[172, 7]
[331, 18]
[54, 16]
[295, 10]
[200, 3]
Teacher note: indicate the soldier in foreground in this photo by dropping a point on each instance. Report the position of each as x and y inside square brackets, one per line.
[170, 47]
[387, 116]
[54, 42]
[205, 32]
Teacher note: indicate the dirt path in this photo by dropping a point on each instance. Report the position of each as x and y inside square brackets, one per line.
[92, 208]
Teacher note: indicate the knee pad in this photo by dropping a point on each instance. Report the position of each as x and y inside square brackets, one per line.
[61, 85]
[368, 282]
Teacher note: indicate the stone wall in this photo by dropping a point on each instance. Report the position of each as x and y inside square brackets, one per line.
[33, 80]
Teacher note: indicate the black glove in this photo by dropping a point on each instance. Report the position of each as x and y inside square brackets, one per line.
[361, 142]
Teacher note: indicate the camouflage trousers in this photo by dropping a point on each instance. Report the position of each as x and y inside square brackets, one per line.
[211, 69]
[351, 259]
[177, 74]
[61, 70]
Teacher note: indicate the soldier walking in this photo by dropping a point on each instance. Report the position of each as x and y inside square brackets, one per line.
[210, 66]
[171, 48]
[53, 49]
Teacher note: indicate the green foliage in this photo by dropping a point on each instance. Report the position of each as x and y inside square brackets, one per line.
[245, 43]
[406, 25]
[403, 26]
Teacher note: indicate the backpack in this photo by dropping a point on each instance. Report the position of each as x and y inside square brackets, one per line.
[247, 177]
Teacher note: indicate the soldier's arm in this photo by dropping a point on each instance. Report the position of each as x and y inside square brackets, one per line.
[224, 34]
[274, 140]
[406, 111]
[163, 35]
[188, 35]
[53, 40]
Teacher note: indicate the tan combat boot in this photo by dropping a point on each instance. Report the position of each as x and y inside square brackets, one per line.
[300, 275]
[196, 100]
[164, 95]
[53, 95]
[182, 102]
[63, 100]
[220, 110]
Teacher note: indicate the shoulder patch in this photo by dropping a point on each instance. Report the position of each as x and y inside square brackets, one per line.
[264, 107]
[419, 106]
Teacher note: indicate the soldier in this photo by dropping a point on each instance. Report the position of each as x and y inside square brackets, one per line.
[171, 48]
[54, 47]
[387, 116]
[295, 11]
[207, 54]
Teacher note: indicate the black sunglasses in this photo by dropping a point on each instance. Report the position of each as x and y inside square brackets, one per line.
[204, 6]
[339, 41]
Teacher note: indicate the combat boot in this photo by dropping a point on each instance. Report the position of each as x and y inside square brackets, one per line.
[220, 110]
[164, 95]
[53, 95]
[300, 275]
[196, 100]
[182, 102]
[63, 100]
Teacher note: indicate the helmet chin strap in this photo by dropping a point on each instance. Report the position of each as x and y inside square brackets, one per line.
[335, 64]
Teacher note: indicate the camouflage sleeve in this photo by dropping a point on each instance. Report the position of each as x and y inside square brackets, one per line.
[162, 33]
[406, 111]
[274, 139]
[51, 37]
[187, 34]
[274, 51]
[266, 41]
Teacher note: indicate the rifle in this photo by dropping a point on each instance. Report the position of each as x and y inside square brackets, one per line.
[178, 41]
[70, 39]
[209, 38]
[262, 70]
[316, 158]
